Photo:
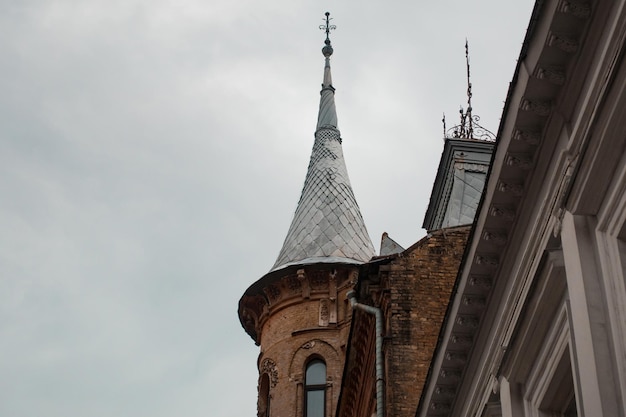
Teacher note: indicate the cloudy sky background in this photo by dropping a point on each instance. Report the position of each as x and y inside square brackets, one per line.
[152, 153]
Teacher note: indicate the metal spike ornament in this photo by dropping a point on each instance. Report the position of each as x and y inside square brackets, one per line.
[327, 50]
[468, 114]
[468, 128]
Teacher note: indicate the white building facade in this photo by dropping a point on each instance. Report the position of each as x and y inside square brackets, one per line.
[537, 322]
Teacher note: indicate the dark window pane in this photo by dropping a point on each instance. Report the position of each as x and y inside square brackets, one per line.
[316, 373]
[315, 403]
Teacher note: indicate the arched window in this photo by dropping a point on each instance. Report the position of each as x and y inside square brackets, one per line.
[315, 389]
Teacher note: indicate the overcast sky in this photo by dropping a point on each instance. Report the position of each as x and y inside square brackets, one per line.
[152, 153]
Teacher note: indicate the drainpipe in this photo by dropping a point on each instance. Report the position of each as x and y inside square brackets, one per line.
[351, 295]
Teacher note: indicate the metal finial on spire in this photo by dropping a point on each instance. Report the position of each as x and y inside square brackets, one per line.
[327, 50]
[469, 92]
[469, 128]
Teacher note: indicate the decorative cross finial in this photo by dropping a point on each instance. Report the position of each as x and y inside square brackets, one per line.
[327, 50]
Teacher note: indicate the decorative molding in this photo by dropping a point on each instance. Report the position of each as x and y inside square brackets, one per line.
[450, 373]
[529, 137]
[483, 281]
[565, 43]
[461, 339]
[509, 187]
[489, 260]
[506, 213]
[445, 390]
[553, 75]
[474, 300]
[324, 312]
[308, 345]
[456, 356]
[579, 9]
[440, 406]
[304, 282]
[499, 238]
[467, 321]
[539, 107]
[522, 161]
[269, 367]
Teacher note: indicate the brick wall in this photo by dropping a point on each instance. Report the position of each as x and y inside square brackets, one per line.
[413, 290]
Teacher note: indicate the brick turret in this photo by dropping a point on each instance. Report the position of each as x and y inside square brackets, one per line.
[297, 312]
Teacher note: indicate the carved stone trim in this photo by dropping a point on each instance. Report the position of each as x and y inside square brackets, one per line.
[456, 356]
[268, 366]
[497, 238]
[579, 9]
[483, 281]
[324, 312]
[461, 339]
[506, 213]
[565, 43]
[309, 345]
[304, 283]
[509, 187]
[445, 391]
[489, 260]
[555, 76]
[450, 373]
[467, 321]
[539, 107]
[529, 137]
[517, 160]
[474, 300]
[440, 406]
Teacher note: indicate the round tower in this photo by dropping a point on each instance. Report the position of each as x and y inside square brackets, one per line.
[297, 313]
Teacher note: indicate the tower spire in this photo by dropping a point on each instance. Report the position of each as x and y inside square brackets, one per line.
[327, 115]
[327, 226]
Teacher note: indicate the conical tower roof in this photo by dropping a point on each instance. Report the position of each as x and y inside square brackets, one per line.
[327, 226]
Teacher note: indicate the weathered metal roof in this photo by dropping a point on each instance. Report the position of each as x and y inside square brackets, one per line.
[327, 226]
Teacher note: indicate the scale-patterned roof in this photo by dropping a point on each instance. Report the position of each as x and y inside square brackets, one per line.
[327, 226]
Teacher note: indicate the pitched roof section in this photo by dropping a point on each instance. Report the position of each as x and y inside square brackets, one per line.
[327, 226]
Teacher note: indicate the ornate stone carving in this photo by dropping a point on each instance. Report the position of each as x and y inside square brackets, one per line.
[529, 137]
[474, 300]
[555, 76]
[309, 345]
[564, 42]
[483, 281]
[579, 9]
[467, 321]
[440, 406]
[456, 356]
[304, 283]
[459, 339]
[539, 107]
[509, 187]
[489, 260]
[324, 312]
[497, 238]
[445, 391]
[450, 373]
[507, 213]
[521, 161]
[268, 366]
